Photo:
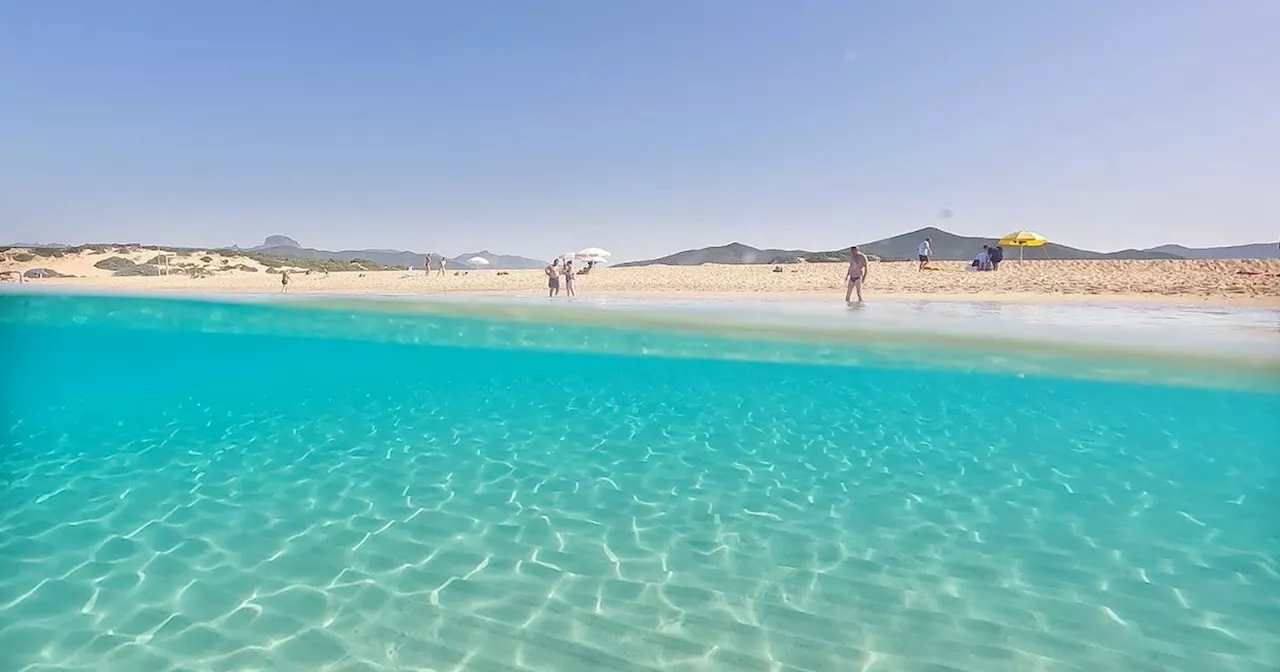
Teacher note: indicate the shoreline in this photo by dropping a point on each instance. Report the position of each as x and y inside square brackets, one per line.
[1140, 352]
[62, 286]
[1201, 283]
[1046, 298]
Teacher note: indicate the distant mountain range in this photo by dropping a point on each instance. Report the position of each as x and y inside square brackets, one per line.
[284, 246]
[1254, 251]
[946, 245]
[736, 253]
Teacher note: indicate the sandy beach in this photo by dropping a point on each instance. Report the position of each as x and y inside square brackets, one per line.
[1253, 282]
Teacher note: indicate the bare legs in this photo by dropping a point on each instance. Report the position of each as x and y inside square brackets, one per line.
[854, 286]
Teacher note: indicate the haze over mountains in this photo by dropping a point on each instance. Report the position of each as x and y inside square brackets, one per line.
[946, 246]
[1254, 251]
[284, 246]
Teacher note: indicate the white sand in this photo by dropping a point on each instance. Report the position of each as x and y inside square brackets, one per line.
[1176, 281]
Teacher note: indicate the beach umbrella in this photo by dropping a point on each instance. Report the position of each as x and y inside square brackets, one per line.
[1022, 240]
[479, 261]
[593, 252]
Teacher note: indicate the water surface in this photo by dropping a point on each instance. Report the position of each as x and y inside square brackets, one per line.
[366, 486]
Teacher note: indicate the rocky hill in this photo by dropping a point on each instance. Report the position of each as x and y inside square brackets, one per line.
[946, 245]
[1254, 251]
[286, 247]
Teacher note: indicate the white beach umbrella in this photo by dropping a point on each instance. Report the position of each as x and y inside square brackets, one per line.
[593, 259]
[595, 252]
[480, 261]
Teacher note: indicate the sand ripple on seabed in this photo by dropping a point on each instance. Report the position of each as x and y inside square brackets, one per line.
[608, 532]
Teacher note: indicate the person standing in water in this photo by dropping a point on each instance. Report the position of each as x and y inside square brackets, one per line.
[568, 278]
[857, 274]
[553, 278]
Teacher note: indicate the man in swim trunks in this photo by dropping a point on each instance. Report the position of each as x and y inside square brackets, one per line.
[926, 250]
[857, 274]
[553, 279]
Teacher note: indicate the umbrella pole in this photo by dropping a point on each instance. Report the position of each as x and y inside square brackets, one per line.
[1021, 249]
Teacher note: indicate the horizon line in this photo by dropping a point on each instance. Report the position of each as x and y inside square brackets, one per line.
[689, 249]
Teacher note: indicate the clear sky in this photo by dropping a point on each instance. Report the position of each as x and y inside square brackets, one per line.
[640, 126]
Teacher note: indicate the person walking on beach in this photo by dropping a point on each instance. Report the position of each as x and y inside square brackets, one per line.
[284, 281]
[926, 251]
[553, 278]
[857, 274]
[442, 265]
[426, 263]
[568, 278]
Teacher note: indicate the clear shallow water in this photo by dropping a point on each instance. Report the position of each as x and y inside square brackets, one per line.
[223, 487]
[1166, 327]
[1185, 328]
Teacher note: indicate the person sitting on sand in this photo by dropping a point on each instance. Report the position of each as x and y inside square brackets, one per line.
[982, 262]
[856, 275]
[553, 278]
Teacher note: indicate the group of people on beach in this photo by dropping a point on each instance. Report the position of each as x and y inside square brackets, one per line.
[555, 270]
[987, 260]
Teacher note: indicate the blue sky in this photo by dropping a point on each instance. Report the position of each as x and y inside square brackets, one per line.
[642, 127]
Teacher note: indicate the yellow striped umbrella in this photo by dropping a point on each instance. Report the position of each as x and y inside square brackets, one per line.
[1023, 239]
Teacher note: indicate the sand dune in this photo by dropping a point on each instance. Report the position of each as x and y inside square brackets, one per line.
[1255, 282]
[81, 264]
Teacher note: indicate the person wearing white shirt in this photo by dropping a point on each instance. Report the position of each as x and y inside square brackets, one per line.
[926, 251]
[982, 262]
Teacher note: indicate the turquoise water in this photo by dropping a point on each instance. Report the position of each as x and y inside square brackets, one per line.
[352, 486]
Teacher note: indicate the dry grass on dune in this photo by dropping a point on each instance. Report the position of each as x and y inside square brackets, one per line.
[1256, 281]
